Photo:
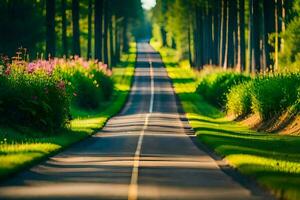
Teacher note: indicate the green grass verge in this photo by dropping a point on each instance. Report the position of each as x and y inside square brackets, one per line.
[21, 147]
[273, 160]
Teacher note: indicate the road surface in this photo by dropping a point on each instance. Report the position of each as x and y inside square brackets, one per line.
[142, 153]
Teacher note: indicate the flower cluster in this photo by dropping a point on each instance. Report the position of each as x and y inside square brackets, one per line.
[40, 93]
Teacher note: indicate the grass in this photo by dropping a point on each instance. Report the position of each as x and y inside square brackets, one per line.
[272, 159]
[21, 147]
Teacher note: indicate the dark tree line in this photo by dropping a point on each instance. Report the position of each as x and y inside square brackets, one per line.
[216, 31]
[108, 22]
[100, 29]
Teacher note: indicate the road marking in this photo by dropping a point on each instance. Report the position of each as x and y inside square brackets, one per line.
[152, 87]
[133, 187]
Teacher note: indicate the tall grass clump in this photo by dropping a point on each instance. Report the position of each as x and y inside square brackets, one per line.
[267, 96]
[214, 87]
[271, 95]
[238, 100]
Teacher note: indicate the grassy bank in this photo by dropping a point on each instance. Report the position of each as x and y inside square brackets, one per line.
[273, 160]
[21, 147]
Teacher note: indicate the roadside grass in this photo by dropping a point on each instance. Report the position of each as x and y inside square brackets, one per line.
[21, 147]
[272, 159]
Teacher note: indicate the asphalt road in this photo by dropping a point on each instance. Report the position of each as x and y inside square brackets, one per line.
[142, 153]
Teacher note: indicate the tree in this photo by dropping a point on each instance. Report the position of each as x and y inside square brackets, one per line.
[64, 27]
[241, 36]
[98, 28]
[90, 12]
[254, 36]
[50, 21]
[76, 30]
[105, 31]
[223, 32]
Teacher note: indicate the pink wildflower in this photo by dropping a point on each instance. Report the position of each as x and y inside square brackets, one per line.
[7, 71]
[61, 85]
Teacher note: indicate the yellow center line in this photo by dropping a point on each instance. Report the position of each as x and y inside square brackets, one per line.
[133, 187]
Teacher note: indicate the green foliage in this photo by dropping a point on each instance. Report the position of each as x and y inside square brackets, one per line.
[22, 147]
[34, 100]
[39, 94]
[267, 96]
[215, 86]
[290, 57]
[238, 100]
[272, 95]
[172, 20]
[90, 89]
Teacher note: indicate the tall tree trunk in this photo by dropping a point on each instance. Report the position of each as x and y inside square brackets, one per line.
[234, 19]
[118, 45]
[216, 33]
[111, 41]
[209, 24]
[125, 36]
[90, 12]
[241, 36]
[231, 26]
[114, 40]
[227, 35]
[263, 43]
[254, 36]
[105, 32]
[198, 38]
[223, 32]
[269, 11]
[195, 37]
[76, 30]
[205, 34]
[163, 37]
[98, 28]
[64, 27]
[283, 19]
[276, 35]
[189, 42]
[50, 22]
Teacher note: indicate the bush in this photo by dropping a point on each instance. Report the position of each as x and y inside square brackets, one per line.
[34, 100]
[89, 82]
[39, 94]
[267, 96]
[238, 100]
[273, 94]
[214, 87]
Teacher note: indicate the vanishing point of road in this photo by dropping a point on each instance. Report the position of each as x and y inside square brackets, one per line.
[144, 152]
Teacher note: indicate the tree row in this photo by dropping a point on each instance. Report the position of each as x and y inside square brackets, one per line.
[242, 34]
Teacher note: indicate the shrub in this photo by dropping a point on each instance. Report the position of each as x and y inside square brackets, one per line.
[35, 100]
[105, 83]
[39, 94]
[214, 87]
[267, 96]
[88, 81]
[272, 95]
[238, 100]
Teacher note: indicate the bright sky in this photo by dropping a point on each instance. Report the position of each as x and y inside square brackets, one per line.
[148, 4]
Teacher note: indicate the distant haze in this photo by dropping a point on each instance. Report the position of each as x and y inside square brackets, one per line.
[148, 4]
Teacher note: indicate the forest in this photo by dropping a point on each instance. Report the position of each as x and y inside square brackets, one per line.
[253, 44]
[225, 72]
[255, 36]
[91, 29]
